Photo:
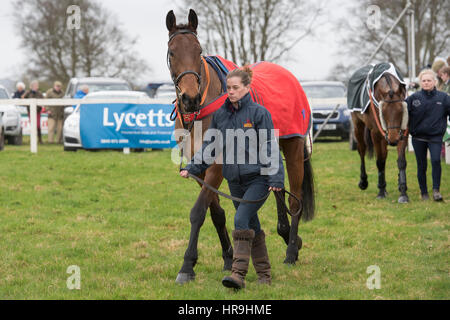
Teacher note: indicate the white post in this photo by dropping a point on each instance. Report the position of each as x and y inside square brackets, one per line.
[33, 123]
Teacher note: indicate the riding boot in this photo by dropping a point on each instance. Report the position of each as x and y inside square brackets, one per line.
[241, 257]
[260, 259]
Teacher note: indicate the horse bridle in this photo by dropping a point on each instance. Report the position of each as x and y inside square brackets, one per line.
[177, 79]
[381, 126]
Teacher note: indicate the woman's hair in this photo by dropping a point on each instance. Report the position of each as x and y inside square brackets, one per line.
[445, 70]
[427, 71]
[20, 84]
[245, 73]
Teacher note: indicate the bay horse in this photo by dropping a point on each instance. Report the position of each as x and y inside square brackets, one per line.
[196, 85]
[381, 126]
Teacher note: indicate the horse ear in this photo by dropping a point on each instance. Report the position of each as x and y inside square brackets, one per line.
[171, 21]
[193, 20]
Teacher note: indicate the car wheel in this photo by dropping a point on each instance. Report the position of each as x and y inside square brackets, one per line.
[2, 140]
[16, 140]
[70, 149]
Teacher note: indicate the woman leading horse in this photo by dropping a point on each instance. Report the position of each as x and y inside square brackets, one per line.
[245, 180]
[198, 85]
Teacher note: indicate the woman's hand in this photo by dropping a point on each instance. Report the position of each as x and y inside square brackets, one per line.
[184, 173]
[275, 189]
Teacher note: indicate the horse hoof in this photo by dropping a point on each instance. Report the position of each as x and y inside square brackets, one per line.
[382, 195]
[183, 278]
[290, 261]
[403, 199]
[363, 185]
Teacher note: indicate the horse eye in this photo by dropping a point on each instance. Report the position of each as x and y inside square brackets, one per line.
[171, 53]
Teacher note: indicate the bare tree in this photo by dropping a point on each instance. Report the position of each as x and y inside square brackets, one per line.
[431, 34]
[254, 30]
[97, 46]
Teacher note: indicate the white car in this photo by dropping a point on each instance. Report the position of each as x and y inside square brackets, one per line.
[11, 117]
[166, 91]
[71, 129]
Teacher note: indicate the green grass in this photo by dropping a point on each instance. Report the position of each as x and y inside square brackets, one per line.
[124, 220]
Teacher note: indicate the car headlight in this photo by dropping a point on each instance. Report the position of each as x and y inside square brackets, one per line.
[347, 113]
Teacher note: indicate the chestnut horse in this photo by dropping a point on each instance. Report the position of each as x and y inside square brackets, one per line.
[379, 127]
[189, 73]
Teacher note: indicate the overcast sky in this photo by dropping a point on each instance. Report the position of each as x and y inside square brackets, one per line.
[311, 59]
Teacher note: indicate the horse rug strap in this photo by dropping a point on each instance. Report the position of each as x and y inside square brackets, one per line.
[363, 81]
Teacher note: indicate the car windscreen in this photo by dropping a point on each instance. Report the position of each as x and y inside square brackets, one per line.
[77, 108]
[3, 94]
[94, 87]
[323, 92]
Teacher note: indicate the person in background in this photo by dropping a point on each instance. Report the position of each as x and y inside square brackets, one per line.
[436, 67]
[428, 111]
[55, 113]
[20, 90]
[445, 75]
[34, 93]
[84, 90]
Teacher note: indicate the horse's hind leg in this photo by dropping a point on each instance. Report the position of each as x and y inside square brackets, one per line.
[293, 150]
[219, 221]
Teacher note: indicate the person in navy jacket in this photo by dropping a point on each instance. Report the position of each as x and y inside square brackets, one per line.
[428, 111]
[250, 180]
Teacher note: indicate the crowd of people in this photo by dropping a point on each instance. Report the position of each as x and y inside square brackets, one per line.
[55, 113]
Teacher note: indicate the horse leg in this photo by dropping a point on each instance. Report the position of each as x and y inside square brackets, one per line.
[361, 146]
[380, 145]
[219, 221]
[197, 217]
[293, 150]
[283, 225]
[401, 163]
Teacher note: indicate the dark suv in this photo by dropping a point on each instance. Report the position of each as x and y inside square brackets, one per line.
[323, 97]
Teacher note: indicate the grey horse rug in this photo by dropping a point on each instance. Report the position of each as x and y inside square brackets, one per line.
[365, 78]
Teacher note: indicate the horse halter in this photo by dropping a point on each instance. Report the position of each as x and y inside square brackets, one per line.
[187, 116]
[381, 124]
[177, 79]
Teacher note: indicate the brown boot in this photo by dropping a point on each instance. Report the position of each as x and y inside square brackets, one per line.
[260, 259]
[241, 257]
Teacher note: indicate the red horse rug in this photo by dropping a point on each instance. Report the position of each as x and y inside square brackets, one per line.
[273, 87]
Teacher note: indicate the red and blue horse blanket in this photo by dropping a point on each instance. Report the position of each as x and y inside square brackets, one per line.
[274, 88]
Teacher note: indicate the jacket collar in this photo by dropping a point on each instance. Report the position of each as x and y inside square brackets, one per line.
[245, 101]
[429, 93]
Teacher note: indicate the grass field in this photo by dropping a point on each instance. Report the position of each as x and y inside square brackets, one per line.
[124, 220]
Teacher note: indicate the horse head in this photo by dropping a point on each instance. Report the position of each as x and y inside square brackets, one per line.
[393, 110]
[185, 61]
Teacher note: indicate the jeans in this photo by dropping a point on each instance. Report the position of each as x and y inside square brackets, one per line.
[420, 149]
[247, 213]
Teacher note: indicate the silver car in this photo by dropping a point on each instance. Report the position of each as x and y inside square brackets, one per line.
[71, 129]
[11, 119]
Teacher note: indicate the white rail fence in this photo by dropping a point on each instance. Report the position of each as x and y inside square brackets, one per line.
[33, 103]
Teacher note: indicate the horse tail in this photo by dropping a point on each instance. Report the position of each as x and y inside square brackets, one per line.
[369, 142]
[309, 204]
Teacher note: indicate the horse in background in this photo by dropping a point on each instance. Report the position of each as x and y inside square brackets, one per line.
[376, 96]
